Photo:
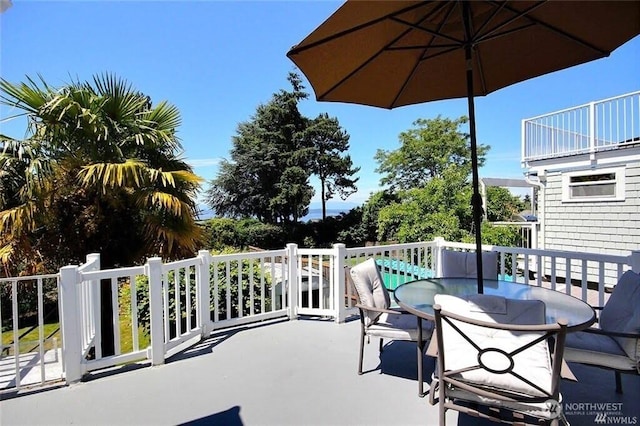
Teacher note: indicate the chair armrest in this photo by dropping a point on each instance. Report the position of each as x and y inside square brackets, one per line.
[432, 349]
[385, 311]
[612, 333]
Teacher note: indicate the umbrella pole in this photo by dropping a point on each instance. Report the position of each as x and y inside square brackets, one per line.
[476, 199]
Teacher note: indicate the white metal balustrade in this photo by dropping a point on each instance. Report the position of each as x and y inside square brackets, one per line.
[176, 304]
[596, 126]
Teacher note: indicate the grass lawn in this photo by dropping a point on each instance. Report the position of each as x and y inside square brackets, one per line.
[29, 342]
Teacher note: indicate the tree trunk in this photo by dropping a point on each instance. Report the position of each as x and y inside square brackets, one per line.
[324, 202]
[106, 318]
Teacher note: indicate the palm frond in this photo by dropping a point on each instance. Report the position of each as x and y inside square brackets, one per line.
[27, 97]
[7, 252]
[165, 115]
[171, 178]
[163, 201]
[17, 220]
[178, 237]
[131, 173]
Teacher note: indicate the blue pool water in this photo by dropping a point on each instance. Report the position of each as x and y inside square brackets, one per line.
[396, 272]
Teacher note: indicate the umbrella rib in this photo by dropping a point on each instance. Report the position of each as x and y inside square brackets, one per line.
[363, 65]
[295, 50]
[427, 30]
[504, 33]
[563, 33]
[386, 47]
[435, 55]
[518, 14]
[490, 18]
[426, 48]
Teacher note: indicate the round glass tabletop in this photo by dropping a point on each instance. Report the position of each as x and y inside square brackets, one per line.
[418, 296]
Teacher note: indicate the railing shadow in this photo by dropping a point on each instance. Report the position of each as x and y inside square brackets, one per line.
[216, 338]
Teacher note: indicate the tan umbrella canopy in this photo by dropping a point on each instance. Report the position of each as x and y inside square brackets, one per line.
[394, 53]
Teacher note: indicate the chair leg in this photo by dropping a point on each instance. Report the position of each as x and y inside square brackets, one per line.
[442, 417]
[361, 353]
[420, 348]
[618, 382]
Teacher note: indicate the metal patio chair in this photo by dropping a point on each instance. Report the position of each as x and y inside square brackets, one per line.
[378, 320]
[615, 343]
[496, 359]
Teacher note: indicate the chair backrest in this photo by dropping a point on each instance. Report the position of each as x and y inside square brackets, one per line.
[497, 347]
[622, 313]
[461, 264]
[370, 287]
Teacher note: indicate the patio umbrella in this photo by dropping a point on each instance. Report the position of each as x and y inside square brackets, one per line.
[393, 53]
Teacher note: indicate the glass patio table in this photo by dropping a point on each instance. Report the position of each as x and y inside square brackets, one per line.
[417, 297]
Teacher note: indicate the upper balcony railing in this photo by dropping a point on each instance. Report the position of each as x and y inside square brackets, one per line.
[596, 126]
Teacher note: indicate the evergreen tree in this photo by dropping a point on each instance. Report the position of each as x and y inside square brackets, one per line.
[272, 158]
[328, 141]
[268, 174]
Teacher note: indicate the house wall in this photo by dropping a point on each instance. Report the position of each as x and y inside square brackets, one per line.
[607, 227]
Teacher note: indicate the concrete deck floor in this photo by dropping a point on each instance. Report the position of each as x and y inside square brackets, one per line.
[285, 373]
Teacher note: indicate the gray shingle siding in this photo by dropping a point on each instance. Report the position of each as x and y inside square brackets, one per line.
[611, 227]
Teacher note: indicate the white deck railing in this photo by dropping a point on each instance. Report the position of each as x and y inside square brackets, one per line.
[596, 126]
[173, 305]
[24, 360]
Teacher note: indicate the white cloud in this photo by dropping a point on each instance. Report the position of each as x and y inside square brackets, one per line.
[204, 162]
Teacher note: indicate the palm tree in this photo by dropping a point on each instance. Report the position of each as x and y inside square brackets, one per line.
[99, 170]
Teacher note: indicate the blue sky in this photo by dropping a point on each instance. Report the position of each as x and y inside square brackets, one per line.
[218, 60]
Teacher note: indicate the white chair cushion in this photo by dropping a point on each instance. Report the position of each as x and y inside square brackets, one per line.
[622, 313]
[460, 264]
[399, 327]
[538, 410]
[370, 287]
[596, 349]
[534, 363]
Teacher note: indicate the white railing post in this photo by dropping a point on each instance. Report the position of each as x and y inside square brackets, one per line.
[292, 279]
[93, 261]
[154, 273]
[203, 292]
[634, 261]
[592, 128]
[339, 292]
[70, 323]
[437, 253]
[524, 150]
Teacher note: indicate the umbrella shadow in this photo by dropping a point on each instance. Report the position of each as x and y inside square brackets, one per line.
[398, 359]
[230, 417]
